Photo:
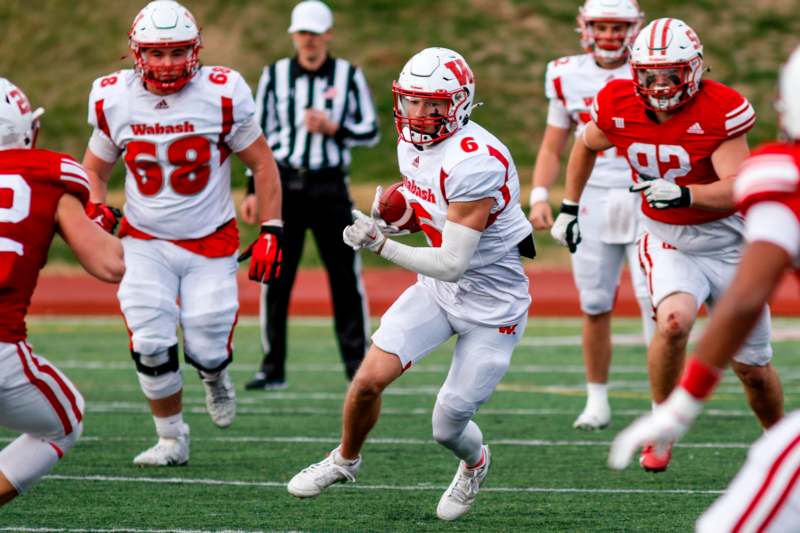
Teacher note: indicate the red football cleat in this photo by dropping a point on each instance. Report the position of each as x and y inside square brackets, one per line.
[653, 462]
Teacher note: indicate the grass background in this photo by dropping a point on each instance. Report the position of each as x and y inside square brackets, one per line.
[546, 477]
[53, 49]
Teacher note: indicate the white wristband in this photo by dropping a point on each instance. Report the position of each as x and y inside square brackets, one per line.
[538, 194]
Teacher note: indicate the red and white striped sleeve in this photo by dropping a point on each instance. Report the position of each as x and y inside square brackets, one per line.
[740, 119]
[766, 175]
[74, 178]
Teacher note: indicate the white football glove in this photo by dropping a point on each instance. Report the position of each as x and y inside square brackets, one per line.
[665, 425]
[662, 194]
[565, 228]
[363, 233]
[385, 227]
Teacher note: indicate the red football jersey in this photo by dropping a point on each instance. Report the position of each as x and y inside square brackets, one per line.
[770, 174]
[678, 150]
[31, 185]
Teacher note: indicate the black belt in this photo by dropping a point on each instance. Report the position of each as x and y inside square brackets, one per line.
[295, 179]
[299, 178]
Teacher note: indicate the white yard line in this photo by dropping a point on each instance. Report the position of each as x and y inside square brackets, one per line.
[132, 530]
[295, 439]
[197, 407]
[360, 486]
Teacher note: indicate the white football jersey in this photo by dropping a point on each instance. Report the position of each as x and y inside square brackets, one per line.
[176, 147]
[471, 165]
[571, 83]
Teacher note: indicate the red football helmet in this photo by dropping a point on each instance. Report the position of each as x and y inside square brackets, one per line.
[667, 64]
[160, 24]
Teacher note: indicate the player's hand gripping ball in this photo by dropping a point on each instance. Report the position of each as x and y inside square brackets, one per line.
[392, 207]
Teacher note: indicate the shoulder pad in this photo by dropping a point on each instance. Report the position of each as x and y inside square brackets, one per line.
[218, 78]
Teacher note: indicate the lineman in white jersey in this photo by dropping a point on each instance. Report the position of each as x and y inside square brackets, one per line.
[175, 124]
[613, 215]
[465, 191]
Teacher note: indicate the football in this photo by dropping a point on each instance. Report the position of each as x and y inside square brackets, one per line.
[394, 209]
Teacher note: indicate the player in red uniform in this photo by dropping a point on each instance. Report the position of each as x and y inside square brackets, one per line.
[41, 192]
[684, 140]
[765, 495]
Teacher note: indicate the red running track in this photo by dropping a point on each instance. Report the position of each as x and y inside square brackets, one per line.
[553, 291]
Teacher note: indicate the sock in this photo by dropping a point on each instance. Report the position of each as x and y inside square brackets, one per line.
[209, 376]
[597, 395]
[169, 427]
[341, 461]
[480, 461]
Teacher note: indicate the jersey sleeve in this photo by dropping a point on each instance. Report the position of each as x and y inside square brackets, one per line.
[244, 129]
[101, 98]
[603, 105]
[73, 177]
[557, 114]
[739, 116]
[767, 175]
[475, 178]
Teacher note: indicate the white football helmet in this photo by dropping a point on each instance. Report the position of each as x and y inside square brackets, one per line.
[788, 104]
[667, 64]
[608, 11]
[439, 74]
[18, 124]
[165, 23]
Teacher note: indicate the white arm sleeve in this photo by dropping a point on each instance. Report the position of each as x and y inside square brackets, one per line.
[103, 147]
[446, 263]
[775, 223]
[557, 115]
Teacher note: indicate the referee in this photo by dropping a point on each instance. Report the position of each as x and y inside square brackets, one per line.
[313, 108]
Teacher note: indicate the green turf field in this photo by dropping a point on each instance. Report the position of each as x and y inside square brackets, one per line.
[545, 476]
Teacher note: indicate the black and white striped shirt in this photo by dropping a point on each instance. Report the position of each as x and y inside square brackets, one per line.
[286, 90]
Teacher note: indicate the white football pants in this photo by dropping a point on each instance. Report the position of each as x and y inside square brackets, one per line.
[39, 401]
[765, 494]
[158, 273]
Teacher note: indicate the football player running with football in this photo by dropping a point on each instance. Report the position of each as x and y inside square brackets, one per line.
[765, 495]
[175, 124]
[44, 192]
[472, 284]
[684, 138]
[610, 215]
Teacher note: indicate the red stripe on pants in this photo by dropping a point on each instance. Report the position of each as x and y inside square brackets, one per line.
[764, 486]
[46, 391]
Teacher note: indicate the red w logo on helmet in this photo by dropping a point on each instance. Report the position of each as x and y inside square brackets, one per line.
[461, 70]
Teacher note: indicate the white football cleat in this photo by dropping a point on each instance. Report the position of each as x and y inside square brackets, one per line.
[166, 452]
[460, 495]
[593, 418]
[311, 481]
[220, 398]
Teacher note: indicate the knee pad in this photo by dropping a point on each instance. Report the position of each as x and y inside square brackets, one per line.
[207, 339]
[30, 457]
[209, 365]
[67, 442]
[597, 301]
[159, 373]
[448, 423]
